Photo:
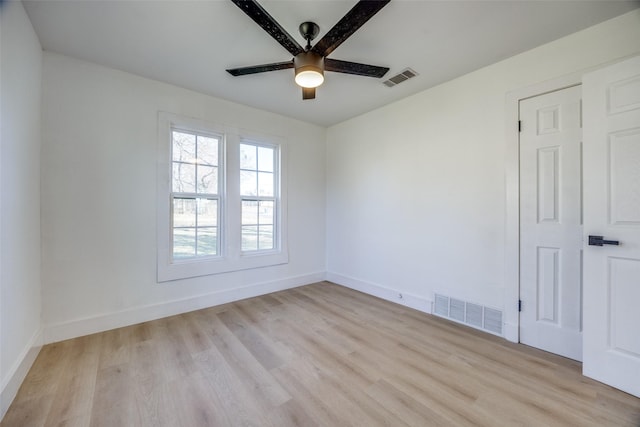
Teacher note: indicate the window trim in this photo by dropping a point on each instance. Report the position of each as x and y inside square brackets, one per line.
[231, 257]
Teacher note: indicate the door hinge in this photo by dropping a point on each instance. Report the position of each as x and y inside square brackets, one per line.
[519, 305]
[519, 125]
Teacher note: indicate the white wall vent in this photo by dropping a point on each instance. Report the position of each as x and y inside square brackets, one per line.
[493, 320]
[456, 309]
[474, 315]
[441, 307]
[401, 77]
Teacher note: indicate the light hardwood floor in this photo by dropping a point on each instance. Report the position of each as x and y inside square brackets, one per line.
[319, 355]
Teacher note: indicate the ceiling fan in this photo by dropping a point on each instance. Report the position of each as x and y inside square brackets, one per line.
[311, 62]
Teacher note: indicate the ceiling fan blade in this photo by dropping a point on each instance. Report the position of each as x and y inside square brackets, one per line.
[354, 68]
[254, 69]
[308, 93]
[270, 25]
[354, 19]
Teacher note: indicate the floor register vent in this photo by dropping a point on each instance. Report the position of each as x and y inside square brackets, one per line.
[474, 315]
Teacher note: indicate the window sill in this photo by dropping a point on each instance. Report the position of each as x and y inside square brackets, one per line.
[196, 268]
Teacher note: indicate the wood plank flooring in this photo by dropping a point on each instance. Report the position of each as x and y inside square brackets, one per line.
[319, 355]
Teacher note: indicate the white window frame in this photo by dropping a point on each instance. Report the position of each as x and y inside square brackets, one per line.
[276, 198]
[230, 257]
[195, 195]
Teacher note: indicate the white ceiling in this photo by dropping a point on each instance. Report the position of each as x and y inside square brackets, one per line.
[191, 43]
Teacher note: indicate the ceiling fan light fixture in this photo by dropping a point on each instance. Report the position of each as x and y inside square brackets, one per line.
[309, 67]
[309, 78]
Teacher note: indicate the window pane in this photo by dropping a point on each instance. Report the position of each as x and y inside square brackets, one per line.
[184, 176]
[265, 239]
[207, 213]
[184, 212]
[207, 241]
[248, 183]
[265, 184]
[265, 213]
[248, 157]
[184, 147]
[207, 151]
[249, 212]
[265, 159]
[249, 238]
[207, 179]
[184, 242]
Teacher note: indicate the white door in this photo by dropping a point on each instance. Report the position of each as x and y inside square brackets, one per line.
[612, 210]
[551, 222]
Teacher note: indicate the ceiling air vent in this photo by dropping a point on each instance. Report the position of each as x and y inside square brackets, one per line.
[399, 78]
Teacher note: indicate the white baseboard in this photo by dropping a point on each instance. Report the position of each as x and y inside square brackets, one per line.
[416, 302]
[399, 297]
[90, 325]
[511, 332]
[12, 382]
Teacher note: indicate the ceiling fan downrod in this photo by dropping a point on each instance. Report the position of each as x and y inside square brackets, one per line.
[309, 30]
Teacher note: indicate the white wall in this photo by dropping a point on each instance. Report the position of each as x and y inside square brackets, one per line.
[99, 199]
[416, 190]
[20, 70]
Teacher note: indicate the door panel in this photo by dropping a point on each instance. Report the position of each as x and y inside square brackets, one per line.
[612, 210]
[625, 158]
[623, 278]
[551, 222]
[548, 272]
[548, 164]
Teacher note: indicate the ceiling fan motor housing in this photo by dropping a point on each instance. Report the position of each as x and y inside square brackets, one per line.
[309, 68]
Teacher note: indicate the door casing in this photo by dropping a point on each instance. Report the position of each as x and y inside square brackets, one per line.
[512, 188]
[512, 191]
[551, 320]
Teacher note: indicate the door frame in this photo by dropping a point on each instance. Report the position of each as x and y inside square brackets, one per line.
[511, 318]
[512, 192]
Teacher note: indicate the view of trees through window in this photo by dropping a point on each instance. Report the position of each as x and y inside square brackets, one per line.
[222, 199]
[195, 194]
[258, 194]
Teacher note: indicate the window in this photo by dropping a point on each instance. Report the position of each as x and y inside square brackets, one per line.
[258, 193]
[195, 189]
[221, 199]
